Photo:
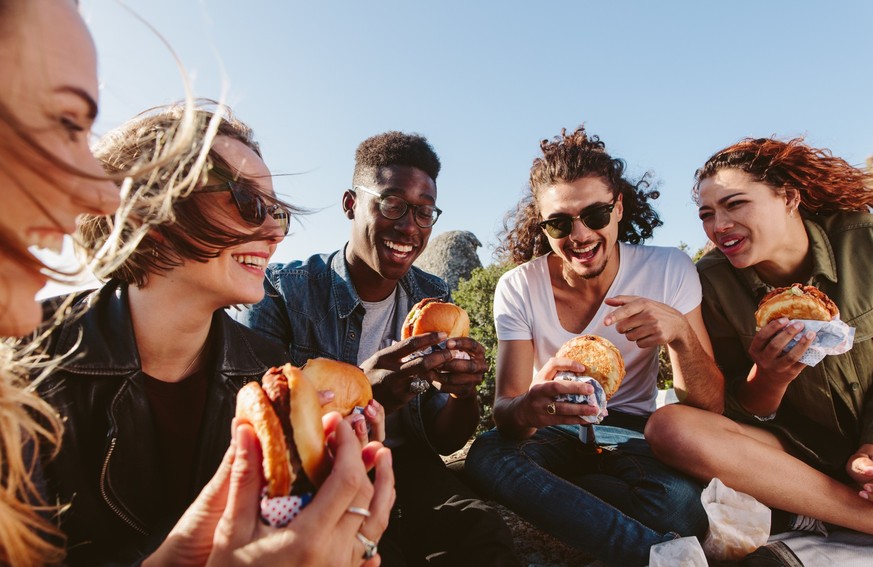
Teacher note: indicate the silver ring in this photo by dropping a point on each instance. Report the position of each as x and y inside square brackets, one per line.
[419, 386]
[370, 547]
[359, 511]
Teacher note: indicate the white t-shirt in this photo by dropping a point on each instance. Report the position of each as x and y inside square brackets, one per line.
[524, 309]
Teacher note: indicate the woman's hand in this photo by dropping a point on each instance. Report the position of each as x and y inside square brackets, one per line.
[538, 407]
[860, 470]
[222, 527]
[767, 347]
[369, 425]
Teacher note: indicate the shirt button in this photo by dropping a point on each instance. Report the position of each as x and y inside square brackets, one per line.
[351, 335]
[855, 386]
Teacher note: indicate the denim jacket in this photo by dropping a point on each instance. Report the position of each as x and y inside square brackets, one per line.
[312, 306]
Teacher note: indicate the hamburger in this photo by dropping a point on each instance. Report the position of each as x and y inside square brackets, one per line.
[796, 301]
[349, 384]
[285, 412]
[431, 315]
[602, 360]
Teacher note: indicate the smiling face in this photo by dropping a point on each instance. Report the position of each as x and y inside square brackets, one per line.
[381, 251]
[750, 222]
[236, 276]
[584, 253]
[49, 84]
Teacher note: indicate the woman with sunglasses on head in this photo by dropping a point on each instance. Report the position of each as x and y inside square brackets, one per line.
[779, 213]
[149, 391]
[581, 270]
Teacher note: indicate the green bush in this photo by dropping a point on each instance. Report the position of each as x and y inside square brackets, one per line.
[476, 296]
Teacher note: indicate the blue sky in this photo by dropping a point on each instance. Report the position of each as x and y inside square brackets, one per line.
[664, 84]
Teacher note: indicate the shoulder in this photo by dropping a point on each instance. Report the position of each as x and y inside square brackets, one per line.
[846, 223]
[265, 350]
[659, 254]
[525, 272]
[311, 267]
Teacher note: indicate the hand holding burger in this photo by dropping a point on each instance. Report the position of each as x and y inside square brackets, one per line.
[796, 301]
[604, 368]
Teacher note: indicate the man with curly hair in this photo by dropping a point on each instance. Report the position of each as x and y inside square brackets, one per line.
[581, 270]
[350, 305]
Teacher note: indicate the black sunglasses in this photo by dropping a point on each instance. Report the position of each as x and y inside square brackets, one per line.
[393, 208]
[251, 206]
[595, 218]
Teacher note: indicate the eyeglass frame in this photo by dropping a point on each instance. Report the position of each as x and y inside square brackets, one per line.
[276, 211]
[381, 198]
[587, 212]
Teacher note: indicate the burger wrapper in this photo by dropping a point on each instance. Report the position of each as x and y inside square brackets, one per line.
[441, 346]
[597, 399]
[831, 337]
[279, 511]
[738, 524]
[681, 552]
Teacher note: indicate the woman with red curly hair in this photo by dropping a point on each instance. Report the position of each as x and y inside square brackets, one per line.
[780, 213]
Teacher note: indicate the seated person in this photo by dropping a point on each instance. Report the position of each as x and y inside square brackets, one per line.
[582, 271]
[350, 305]
[781, 213]
[148, 392]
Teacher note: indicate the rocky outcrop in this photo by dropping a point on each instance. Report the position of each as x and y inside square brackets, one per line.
[452, 256]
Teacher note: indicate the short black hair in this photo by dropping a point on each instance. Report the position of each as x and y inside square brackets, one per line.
[395, 148]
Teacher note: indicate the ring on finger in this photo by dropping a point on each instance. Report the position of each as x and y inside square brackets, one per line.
[370, 547]
[359, 511]
[551, 409]
[419, 386]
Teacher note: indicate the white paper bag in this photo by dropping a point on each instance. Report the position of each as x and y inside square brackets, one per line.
[682, 552]
[738, 524]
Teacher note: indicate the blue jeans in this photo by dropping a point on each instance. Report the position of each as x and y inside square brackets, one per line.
[615, 504]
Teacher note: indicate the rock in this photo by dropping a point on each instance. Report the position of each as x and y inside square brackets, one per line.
[452, 256]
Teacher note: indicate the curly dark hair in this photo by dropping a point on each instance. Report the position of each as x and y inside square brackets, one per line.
[394, 148]
[567, 158]
[826, 184]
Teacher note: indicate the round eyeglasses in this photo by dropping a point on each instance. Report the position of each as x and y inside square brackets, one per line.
[392, 208]
[595, 218]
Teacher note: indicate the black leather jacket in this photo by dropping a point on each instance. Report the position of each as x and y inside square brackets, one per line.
[107, 469]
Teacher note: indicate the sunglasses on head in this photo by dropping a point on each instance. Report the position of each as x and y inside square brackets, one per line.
[595, 218]
[251, 206]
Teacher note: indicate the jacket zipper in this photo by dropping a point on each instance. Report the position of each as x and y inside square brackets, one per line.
[114, 507]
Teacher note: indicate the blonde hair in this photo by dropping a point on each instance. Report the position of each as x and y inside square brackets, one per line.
[29, 427]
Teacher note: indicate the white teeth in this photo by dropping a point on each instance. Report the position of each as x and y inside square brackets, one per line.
[731, 242]
[404, 248]
[51, 241]
[252, 261]
[585, 250]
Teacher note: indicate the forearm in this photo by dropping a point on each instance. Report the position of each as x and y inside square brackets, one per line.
[760, 396]
[696, 377]
[455, 423]
[508, 416]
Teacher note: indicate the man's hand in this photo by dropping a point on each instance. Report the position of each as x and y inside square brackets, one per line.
[646, 322]
[391, 376]
[460, 376]
[538, 407]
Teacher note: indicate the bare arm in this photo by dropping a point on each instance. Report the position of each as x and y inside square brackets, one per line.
[521, 402]
[649, 323]
[696, 378]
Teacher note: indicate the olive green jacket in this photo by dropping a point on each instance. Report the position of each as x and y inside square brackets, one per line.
[827, 411]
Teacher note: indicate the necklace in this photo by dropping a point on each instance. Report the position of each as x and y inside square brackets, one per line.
[193, 360]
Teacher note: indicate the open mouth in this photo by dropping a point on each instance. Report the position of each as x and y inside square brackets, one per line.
[730, 245]
[584, 253]
[398, 249]
[254, 262]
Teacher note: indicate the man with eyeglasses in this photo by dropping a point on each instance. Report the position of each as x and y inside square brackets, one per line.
[350, 305]
[580, 271]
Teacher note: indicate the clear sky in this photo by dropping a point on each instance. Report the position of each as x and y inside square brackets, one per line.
[664, 84]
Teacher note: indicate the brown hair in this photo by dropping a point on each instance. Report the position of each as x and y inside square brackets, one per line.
[826, 184]
[178, 226]
[569, 157]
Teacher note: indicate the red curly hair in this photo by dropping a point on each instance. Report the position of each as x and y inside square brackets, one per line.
[826, 184]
